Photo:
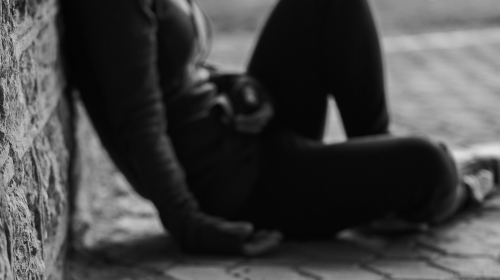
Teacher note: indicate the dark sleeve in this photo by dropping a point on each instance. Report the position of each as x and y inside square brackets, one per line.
[120, 40]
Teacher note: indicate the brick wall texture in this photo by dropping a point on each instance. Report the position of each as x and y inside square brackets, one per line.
[34, 147]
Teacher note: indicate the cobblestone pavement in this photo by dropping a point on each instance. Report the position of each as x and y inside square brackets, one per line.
[444, 85]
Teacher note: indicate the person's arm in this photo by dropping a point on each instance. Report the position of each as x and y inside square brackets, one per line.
[120, 39]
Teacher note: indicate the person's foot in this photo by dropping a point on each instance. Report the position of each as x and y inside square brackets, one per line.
[481, 179]
[479, 171]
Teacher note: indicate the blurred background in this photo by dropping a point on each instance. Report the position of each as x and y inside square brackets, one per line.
[395, 16]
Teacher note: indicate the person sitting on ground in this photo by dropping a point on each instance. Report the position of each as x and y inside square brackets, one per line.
[234, 162]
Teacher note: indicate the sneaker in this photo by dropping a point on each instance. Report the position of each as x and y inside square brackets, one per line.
[479, 171]
[463, 156]
[479, 168]
[481, 178]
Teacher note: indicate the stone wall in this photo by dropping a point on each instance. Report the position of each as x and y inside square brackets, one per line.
[34, 147]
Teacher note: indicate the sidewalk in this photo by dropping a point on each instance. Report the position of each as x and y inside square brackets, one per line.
[440, 86]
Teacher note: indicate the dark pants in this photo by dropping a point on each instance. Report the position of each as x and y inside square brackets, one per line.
[308, 50]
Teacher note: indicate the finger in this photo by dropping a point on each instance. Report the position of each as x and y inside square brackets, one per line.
[251, 95]
[266, 242]
[266, 112]
[243, 123]
[263, 114]
[262, 247]
[254, 123]
[260, 234]
[243, 229]
[277, 235]
[264, 234]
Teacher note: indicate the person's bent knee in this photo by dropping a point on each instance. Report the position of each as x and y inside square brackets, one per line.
[435, 173]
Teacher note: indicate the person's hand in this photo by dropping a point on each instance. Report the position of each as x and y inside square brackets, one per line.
[255, 242]
[218, 236]
[262, 242]
[256, 121]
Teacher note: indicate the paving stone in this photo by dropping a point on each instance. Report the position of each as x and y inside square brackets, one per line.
[210, 260]
[334, 130]
[421, 98]
[402, 251]
[339, 271]
[77, 270]
[489, 224]
[366, 241]
[428, 253]
[435, 89]
[336, 250]
[150, 252]
[440, 40]
[287, 253]
[386, 246]
[464, 246]
[471, 267]
[194, 272]
[232, 51]
[463, 241]
[409, 269]
[263, 271]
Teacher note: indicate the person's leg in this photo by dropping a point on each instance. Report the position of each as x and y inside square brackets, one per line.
[358, 87]
[309, 190]
[287, 61]
[309, 48]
